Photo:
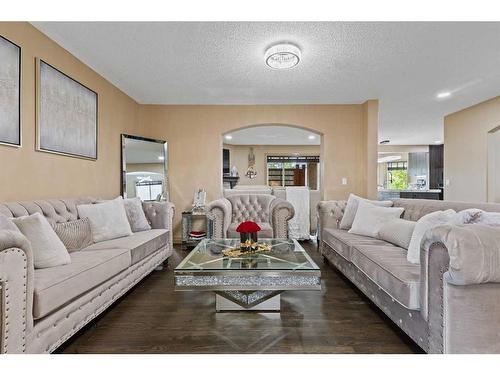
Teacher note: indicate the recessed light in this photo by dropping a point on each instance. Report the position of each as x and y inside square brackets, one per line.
[161, 157]
[282, 56]
[438, 142]
[228, 136]
[384, 142]
[311, 137]
[443, 94]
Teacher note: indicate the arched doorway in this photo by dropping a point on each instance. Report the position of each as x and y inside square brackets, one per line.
[494, 165]
[275, 159]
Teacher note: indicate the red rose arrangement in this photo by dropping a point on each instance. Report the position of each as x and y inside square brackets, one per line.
[248, 234]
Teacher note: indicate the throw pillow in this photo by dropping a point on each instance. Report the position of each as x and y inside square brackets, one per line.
[370, 218]
[75, 235]
[7, 224]
[48, 250]
[135, 215]
[397, 232]
[108, 220]
[425, 223]
[352, 207]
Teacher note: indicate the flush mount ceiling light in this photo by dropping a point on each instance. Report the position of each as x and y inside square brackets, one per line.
[282, 56]
[229, 136]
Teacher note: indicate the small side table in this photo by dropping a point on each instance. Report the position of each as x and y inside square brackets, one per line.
[187, 226]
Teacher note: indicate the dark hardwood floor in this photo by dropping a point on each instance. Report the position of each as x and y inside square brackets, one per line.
[152, 318]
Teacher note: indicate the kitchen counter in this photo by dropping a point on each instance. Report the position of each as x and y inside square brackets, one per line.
[387, 194]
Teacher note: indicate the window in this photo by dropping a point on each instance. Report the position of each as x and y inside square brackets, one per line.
[291, 170]
[397, 175]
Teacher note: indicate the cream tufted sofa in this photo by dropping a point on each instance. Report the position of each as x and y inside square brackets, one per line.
[271, 213]
[41, 308]
[450, 302]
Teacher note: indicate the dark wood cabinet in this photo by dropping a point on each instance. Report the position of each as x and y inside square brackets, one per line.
[436, 167]
[419, 195]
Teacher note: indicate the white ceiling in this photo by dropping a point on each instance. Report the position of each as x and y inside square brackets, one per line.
[272, 135]
[404, 65]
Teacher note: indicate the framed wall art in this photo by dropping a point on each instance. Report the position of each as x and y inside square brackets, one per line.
[10, 93]
[66, 114]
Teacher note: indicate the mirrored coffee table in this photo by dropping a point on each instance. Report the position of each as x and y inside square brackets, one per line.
[250, 281]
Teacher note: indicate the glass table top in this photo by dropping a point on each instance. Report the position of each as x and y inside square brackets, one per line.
[285, 255]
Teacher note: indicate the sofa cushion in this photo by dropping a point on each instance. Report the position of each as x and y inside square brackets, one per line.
[341, 241]
[387, 266]
[266, 231]
[57, 286]
[140, 244]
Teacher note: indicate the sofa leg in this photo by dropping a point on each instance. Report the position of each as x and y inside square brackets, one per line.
[162, 266]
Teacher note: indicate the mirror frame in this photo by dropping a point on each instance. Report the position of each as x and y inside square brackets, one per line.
[123, 163]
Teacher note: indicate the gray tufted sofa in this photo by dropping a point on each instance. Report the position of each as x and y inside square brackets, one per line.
[41, 308]
[450, 303]
[271, 213]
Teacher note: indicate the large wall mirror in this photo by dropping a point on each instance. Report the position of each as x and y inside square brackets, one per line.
[144, 168]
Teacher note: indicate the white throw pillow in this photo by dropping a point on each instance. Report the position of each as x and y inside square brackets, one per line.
[397, 232]
[352, 207]
[108, 220]
[425, 223]
[48, 249]
[370, 218]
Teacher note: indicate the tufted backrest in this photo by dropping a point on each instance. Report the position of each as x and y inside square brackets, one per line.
[55, 210]
[416, 208]
[254, 207]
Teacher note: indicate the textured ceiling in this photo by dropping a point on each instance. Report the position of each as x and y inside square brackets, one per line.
[273, 135]
[404, 65]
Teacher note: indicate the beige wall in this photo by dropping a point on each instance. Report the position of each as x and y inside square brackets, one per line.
[239, 158]
[466, 151]
[193, 132]
[28, 174]
[195, 142]
[370, 142]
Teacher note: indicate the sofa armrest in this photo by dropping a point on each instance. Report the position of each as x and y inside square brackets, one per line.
[329, 214]
[159, 214]
[16, 291]
[460, 288]
[281, 211]
[220, 212]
